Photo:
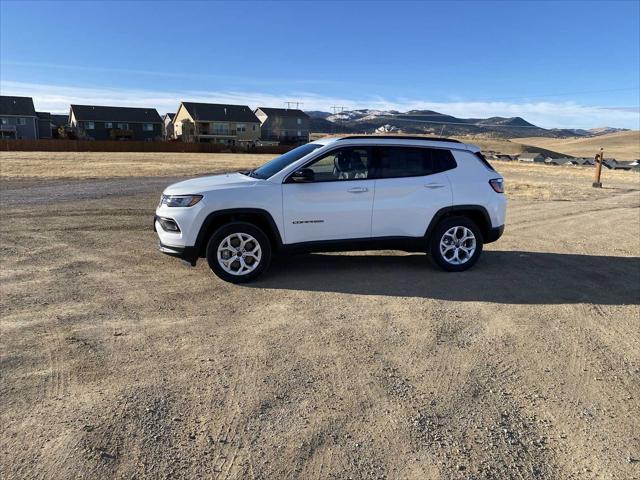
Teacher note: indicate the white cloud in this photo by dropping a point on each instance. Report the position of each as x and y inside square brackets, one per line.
[57, 98]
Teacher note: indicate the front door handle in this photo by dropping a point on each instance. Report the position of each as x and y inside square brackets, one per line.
[434, 185]
[358, 190]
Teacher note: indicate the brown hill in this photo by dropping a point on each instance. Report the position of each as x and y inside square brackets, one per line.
[619, 145]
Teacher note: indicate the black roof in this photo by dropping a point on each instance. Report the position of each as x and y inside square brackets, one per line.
[17, 106]
[211, 112]
[115, 114]
[43, 115]
[59, 120]
[402, 137]
[170, 115]
[283, 112]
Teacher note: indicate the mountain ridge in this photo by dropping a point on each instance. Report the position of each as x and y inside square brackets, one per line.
[432, 122]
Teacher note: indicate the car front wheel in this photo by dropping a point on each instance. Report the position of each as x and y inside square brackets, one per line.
[456, 244]
[238, 252]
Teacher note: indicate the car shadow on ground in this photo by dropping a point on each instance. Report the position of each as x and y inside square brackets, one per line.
[510, 277]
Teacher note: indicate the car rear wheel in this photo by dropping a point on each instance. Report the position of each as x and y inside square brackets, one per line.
[456, 244]
[238, 252]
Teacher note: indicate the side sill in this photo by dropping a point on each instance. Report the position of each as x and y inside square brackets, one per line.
[407, 244]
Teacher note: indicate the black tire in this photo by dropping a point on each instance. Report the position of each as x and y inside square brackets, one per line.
[439, 232]
[240, 228]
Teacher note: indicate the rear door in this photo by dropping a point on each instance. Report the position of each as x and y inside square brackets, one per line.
[336, 204]
[411, 186]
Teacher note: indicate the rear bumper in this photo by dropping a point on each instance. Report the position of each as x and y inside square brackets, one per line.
[494, 234]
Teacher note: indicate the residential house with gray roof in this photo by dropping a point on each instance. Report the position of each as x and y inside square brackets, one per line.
[285, 125]
[115, 123]
[531, 157]
[18, 118]
[216, 123]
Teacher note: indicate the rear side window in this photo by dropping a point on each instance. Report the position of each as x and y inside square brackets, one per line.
[395, 162]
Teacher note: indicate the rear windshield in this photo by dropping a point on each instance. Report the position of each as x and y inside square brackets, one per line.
[272, 167]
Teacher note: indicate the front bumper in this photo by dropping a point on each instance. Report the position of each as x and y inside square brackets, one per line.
[188, 254]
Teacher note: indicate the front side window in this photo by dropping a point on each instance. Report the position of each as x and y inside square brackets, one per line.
[22, 121]
[241, 127]
[89, 126]
[299, 121]
[272, 167]
[147, 127]
[395, 162]
[123, 126]
[4, 121]
[108, 124]
[349, 163]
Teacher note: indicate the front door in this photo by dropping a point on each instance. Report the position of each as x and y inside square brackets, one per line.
[335, 202]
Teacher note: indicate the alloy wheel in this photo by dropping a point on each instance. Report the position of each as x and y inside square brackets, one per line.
[457, 245]
[239, 254]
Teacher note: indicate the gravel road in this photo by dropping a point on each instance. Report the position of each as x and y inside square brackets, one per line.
[118, 362]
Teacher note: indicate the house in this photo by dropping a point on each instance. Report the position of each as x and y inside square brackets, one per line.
[167, 125]
[613, 164]
[59, 120]
[531, 157]
[216, 123]
[561, 161]
[115, 123]
[45, 129]
[285, 125]
[585, 161]
[18, 118]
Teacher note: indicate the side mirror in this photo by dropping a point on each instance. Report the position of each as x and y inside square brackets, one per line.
[305, 175]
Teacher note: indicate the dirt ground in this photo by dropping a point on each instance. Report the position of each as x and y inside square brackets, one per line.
[119, 362]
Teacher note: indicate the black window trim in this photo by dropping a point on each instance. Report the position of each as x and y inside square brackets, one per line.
[324, 154]
[374, 157]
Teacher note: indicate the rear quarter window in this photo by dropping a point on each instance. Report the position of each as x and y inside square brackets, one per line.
[484, 161]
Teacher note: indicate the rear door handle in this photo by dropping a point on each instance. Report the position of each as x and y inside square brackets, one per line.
[358, 190]
[434, 185]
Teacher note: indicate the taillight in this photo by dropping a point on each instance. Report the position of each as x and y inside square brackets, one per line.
[497, 184]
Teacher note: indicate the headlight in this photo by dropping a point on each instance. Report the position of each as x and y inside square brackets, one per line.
[180, 200]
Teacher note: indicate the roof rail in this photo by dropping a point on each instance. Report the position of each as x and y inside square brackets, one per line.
[401, 137]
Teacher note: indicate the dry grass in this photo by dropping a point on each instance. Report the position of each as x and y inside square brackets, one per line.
[16, 165]
[621, 145]
[531, 181]
[552, 182]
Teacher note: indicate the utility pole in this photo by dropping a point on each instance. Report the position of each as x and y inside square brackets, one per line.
[599, 159]
[335, 109]
[288, 104]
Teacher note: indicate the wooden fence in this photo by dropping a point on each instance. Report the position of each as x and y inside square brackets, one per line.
[129, 146]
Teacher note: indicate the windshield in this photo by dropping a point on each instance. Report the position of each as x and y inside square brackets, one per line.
[272, 167]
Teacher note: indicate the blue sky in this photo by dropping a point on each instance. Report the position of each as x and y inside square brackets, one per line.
[545, 61]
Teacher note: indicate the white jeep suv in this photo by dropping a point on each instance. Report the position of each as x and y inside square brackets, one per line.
[437, 196]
